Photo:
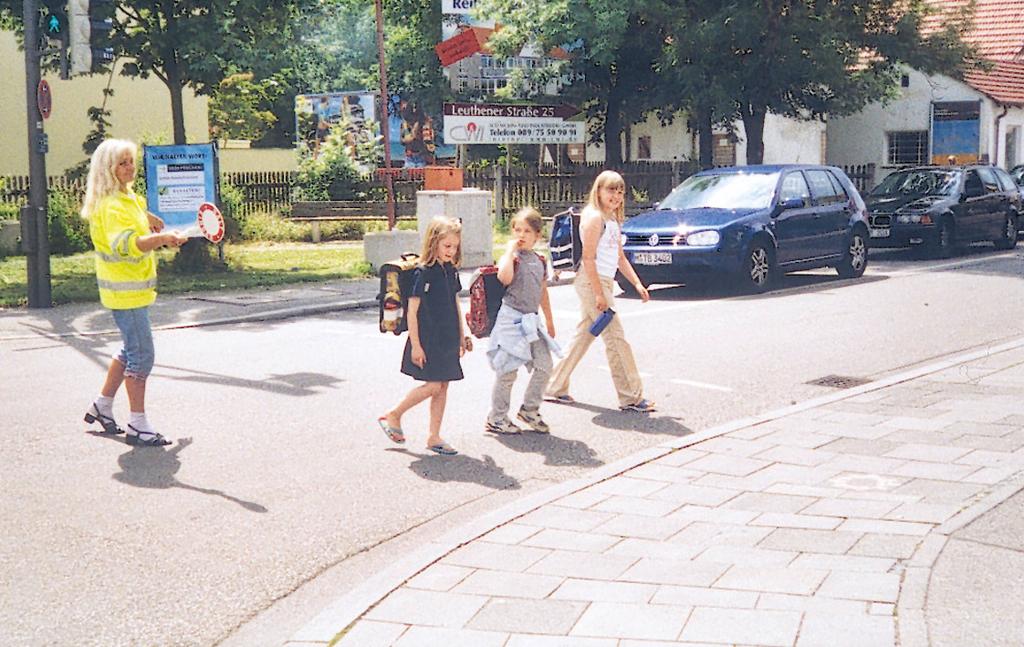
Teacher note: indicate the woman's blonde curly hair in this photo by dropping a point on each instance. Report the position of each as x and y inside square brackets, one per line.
[102, 180]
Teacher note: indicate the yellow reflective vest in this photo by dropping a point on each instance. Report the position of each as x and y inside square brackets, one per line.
[126, 275]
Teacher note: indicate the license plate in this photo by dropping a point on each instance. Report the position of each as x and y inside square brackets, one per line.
[652, 258]
[880, 233]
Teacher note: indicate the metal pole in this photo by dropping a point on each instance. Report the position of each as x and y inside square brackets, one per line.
[34, 218]
[384, 126]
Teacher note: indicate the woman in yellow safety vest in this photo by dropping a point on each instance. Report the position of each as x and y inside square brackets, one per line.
[124, 235]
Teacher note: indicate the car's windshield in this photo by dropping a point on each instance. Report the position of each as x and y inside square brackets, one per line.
[923, 182]
[723, 191]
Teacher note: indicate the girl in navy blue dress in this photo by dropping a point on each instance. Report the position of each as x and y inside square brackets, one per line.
[436, 338]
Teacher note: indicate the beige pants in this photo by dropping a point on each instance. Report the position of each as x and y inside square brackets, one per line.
[620, 355]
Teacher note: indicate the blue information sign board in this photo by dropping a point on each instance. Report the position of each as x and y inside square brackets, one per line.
[179, 178]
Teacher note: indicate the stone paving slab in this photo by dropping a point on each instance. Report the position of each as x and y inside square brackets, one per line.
[820, 525]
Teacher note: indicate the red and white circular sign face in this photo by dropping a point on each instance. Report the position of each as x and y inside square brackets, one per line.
[44, 99]
[211, 222]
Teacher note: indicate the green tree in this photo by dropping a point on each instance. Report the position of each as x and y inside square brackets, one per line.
[804, 59]
[616, 55]
[237, 107]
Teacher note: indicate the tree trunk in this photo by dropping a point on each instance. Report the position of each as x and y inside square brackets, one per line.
[705, 134]
[613, 130]
[753, 124]
[177, 111]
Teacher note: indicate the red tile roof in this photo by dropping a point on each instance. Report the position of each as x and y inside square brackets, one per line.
[1004, 83]
[997, 30]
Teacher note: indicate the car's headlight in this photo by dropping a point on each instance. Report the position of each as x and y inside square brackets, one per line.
[915, 219]
[703, 238]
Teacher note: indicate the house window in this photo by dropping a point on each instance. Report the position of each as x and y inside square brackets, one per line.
[643, 147]
[723, 150]
[908, 147]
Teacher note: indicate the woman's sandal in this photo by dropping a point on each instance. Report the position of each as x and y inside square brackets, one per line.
[146, 438]
[443, 449]
[395, 434]
[109, 424]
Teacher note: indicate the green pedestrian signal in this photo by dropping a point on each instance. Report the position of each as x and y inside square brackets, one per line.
[55, 20]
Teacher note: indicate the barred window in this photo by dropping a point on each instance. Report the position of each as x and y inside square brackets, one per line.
[908, 147]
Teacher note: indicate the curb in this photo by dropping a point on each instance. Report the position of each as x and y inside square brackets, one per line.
[346, 610]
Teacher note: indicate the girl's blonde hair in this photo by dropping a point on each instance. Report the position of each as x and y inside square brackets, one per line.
[607, 179]
[102, 181]
[438, 228]
[529, 217]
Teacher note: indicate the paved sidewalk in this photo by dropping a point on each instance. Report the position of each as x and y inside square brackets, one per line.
[196, 309]
[881, 515]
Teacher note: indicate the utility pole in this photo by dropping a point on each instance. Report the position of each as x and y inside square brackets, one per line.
[34, 235]
[384, 102]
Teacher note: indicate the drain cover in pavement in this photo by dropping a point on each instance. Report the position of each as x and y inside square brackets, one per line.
[838, 381]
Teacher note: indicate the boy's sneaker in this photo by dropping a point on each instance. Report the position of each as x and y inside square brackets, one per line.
[502, 427]
[643, 406]
[535, 422]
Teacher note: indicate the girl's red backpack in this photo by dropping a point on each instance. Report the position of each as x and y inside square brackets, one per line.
[485, 293]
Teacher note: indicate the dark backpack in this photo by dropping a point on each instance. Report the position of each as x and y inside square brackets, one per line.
[395, 287]
[485, 294]
[565, 245]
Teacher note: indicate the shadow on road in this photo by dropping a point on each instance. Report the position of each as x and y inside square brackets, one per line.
[460, 468]
[155, 467]
[293, 384]
[629, 421]
[556, 450]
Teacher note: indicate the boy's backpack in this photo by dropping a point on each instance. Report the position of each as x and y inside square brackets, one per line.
[395, 287]
[565, 245]
[485, 294]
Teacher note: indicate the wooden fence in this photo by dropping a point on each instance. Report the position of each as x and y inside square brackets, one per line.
[646, 182]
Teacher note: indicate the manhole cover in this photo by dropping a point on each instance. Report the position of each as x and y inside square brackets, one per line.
[838, 381]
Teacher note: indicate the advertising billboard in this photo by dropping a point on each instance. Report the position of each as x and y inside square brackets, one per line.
[317, 114]
[956, 131]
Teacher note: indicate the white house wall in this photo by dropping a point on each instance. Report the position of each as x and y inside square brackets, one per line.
[786, 141]
[140, 108]
[861, 138]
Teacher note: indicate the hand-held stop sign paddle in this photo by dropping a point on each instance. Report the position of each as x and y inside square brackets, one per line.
[209, 223]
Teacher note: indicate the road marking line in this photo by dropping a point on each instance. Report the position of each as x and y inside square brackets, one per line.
[702, 385]
[640, 373]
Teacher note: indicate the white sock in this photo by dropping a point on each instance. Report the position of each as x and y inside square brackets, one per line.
[105, 405]
[139, 423]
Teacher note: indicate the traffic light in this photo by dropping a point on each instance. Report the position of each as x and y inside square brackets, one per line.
[91, 22]
[55, 19]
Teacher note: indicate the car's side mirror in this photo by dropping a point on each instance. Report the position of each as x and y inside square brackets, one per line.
[791, 203]
[655, 205]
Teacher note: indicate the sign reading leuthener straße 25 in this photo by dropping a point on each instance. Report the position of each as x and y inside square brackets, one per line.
[485, 123]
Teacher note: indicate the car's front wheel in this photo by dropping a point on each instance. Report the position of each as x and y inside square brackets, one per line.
[1008, 238]
[758, 268]
[855, 259]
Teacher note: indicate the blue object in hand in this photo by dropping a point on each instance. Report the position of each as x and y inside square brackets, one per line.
[601, 322]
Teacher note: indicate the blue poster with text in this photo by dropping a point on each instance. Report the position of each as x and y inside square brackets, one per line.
[179, 178]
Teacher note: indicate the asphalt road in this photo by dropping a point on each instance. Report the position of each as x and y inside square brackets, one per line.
[281, 491]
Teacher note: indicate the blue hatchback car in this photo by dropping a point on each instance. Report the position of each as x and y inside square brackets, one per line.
[750, 223]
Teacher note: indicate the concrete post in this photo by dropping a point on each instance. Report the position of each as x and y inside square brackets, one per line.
[473, 208]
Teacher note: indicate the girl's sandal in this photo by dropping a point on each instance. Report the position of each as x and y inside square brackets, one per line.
[443, 449]
[394, 434]
[145, 438]
[109, 424]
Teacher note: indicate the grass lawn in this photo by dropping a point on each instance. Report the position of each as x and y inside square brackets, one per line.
[250, 265]
[73, 278]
